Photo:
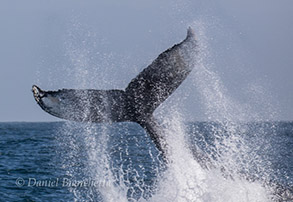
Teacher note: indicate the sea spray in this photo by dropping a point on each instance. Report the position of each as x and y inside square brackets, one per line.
[231, 152]
[87, 153]
[184, 179]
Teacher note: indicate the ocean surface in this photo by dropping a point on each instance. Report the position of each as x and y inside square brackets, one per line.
[65, 161]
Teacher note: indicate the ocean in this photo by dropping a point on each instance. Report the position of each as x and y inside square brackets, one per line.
[209, 161]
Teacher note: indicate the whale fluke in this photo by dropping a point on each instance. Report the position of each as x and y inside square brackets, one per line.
[136, 103]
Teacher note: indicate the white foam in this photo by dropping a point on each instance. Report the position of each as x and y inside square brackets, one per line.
[184, 179]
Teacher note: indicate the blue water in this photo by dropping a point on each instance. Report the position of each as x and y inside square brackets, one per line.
[65, 161]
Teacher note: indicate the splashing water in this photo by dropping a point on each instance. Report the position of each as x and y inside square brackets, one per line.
[238, 172]
[186, 180]
[231, 152]
[89, 150]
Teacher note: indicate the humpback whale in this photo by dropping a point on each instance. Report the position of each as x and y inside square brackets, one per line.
[136, 103]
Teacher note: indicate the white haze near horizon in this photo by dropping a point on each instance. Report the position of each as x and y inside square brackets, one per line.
[250, 43]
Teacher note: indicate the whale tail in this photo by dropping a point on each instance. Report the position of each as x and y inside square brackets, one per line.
[136, 103]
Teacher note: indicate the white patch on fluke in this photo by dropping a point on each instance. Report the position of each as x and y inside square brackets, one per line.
[52, 102]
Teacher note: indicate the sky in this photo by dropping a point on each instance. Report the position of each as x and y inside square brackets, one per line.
[104, 44]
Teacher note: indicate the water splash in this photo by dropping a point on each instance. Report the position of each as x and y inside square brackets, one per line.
[184, 178]
[231, 152]
[85, 145]
[89, 152]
